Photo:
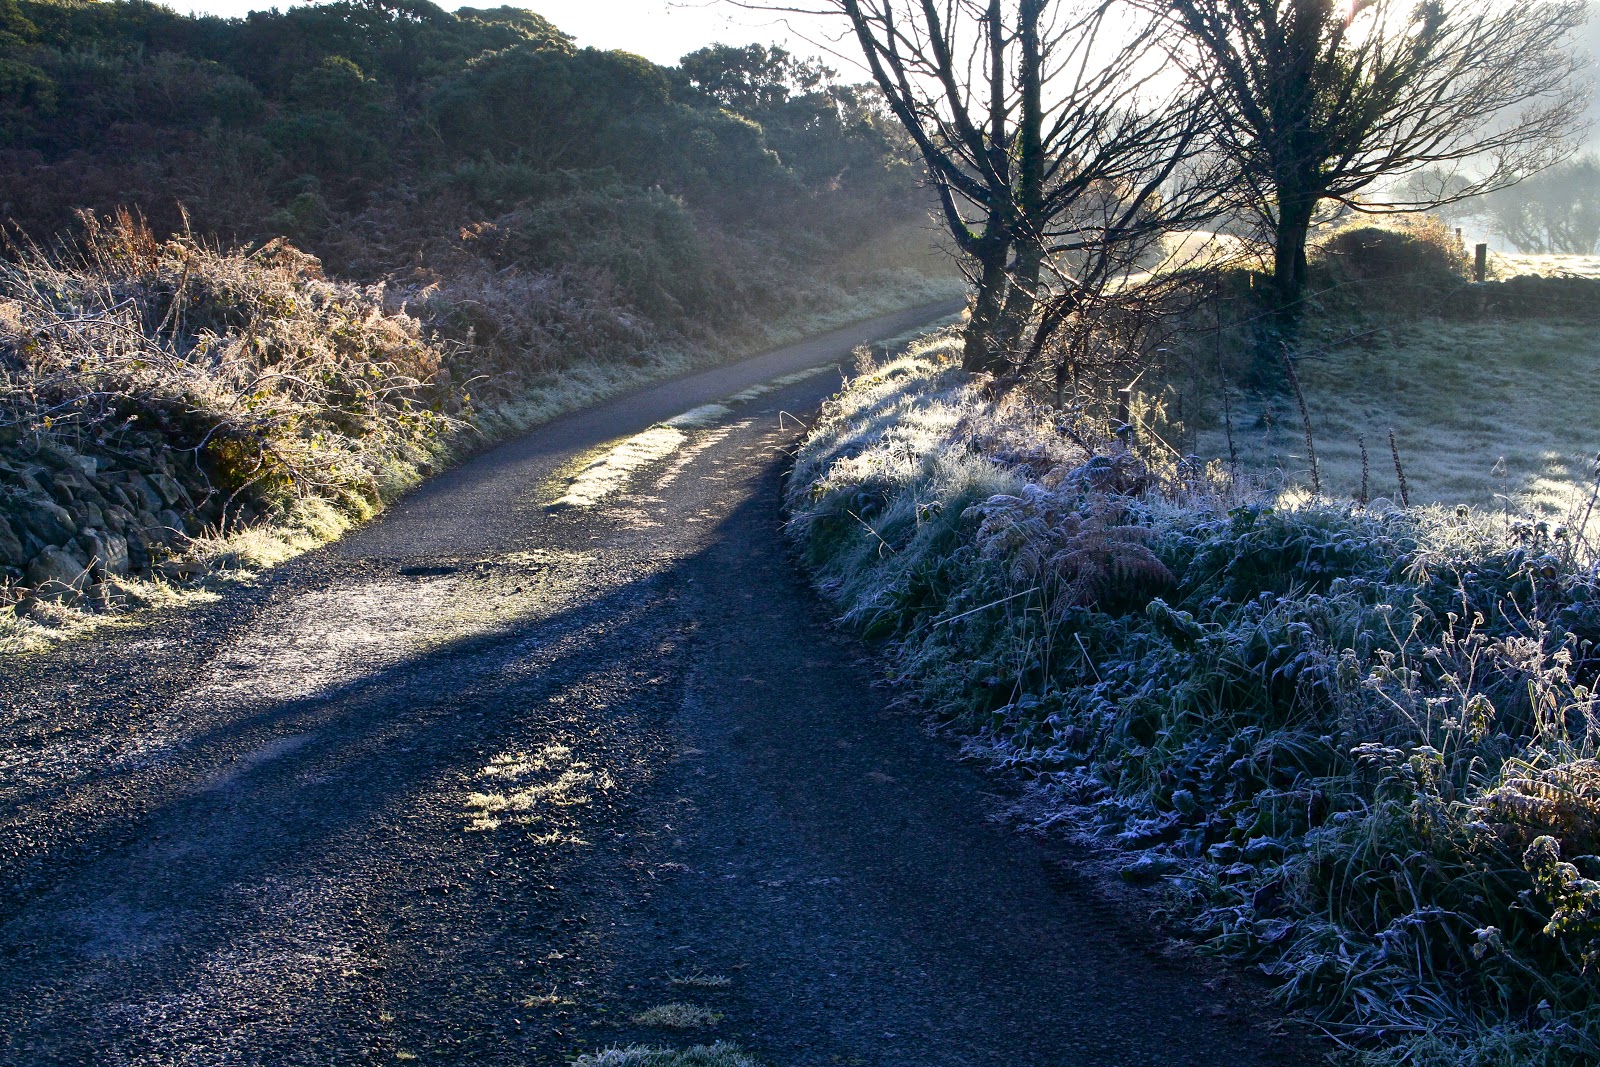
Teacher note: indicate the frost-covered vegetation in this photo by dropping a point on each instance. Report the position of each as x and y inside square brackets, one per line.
[165, 404]
[277, 379]
[720, 1054]
[1355, 745]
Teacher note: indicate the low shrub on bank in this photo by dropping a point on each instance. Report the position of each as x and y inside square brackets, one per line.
[151, 390]
[278, 379]
[1357, 744]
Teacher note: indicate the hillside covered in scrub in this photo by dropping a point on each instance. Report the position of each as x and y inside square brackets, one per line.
[274, 269]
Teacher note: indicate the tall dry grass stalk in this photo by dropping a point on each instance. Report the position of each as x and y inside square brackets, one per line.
[1361, 441]
[1305, 421]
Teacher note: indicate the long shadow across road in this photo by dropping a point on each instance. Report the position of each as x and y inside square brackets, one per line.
[489, 782]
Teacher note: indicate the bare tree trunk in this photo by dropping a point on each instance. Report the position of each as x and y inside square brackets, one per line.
[984, 347]
[1022, 297]
[1290, 272]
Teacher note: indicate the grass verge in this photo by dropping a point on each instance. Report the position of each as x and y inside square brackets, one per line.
[1354, 746]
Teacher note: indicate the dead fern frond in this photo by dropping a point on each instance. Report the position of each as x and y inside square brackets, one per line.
[1081, 552]
[1561, 801]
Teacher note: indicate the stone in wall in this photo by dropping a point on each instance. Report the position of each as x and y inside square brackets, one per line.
[70, 522]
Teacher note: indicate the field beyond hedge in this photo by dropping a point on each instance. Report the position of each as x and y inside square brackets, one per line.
[1492, 414]
[1489, 389]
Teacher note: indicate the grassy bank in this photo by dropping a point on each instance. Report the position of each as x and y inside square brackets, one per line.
[1355, 746]
[175, 416]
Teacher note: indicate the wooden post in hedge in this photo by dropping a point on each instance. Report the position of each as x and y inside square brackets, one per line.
[1480, 262]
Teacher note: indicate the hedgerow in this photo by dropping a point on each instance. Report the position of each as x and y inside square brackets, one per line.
[1356, 745]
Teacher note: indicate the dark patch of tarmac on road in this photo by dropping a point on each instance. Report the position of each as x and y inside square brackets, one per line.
[487, 780]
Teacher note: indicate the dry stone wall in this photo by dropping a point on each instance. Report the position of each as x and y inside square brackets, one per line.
[73, 521]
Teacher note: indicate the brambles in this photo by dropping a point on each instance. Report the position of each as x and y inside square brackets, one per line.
[1413, 251]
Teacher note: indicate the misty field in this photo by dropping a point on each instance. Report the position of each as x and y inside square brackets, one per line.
[1495, 415]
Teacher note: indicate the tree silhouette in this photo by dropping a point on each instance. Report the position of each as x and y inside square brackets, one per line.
[1316, 100]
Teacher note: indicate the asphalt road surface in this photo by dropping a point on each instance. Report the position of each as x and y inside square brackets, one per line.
[560, 739]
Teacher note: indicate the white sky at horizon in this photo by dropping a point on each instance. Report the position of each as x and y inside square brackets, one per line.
[660, 30]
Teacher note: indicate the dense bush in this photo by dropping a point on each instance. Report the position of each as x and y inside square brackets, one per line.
[1359, 746]
[1409, 264]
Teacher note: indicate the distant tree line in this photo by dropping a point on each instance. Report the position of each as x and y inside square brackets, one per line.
[1553, 211]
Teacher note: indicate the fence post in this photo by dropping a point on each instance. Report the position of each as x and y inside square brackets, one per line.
[1480, 262]
[1124, 404]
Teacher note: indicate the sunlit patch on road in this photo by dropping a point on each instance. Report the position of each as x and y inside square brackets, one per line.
[755, 392]
[699, 418]
[534, 790]
[610, 470]
[688, 455]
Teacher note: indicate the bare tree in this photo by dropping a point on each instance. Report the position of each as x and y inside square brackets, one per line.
[1442, 190]
[1317, 100]
[1557, 211]
[1056, 162]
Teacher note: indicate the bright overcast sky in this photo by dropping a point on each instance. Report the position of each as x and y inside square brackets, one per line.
[662, 30]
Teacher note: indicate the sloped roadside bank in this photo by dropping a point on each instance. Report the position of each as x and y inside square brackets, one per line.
[174, 417]
[1351, 745]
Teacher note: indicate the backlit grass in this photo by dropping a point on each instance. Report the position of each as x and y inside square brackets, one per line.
[678, 1016]
[720, 1054]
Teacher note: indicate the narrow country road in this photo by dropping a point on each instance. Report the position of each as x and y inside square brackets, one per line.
[560, 739]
